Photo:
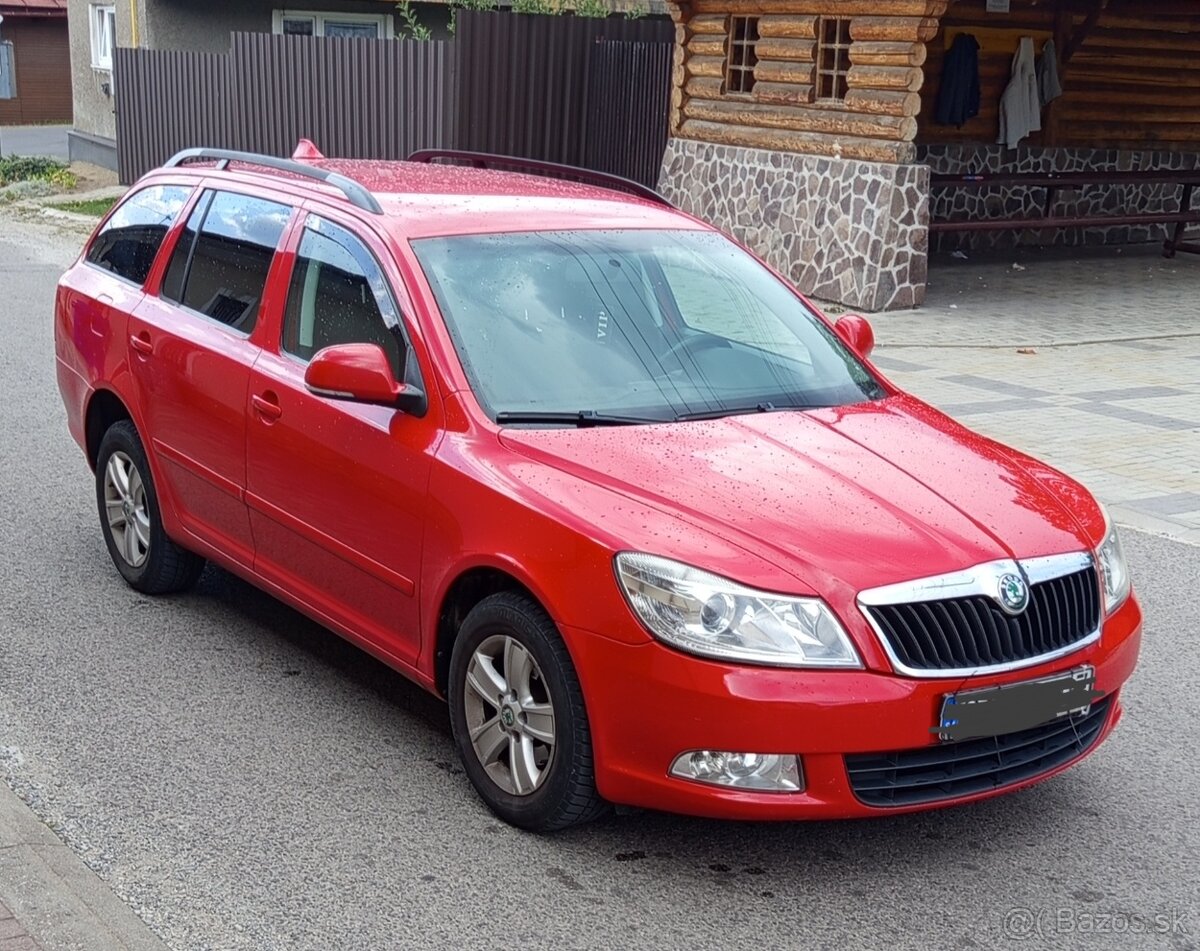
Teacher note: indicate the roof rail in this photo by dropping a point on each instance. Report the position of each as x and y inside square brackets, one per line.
[538, 167]
[357, 194]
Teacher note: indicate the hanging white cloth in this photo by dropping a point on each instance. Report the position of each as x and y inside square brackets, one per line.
[1049, 87]
[1020, 106]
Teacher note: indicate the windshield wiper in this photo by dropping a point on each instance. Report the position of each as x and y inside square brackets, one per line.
[583, 418]
[731, 411]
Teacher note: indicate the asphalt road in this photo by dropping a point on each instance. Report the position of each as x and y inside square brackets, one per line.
[245, 780]
[48, 140]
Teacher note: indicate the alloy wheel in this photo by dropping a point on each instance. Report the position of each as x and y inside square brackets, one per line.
[509, 715]
[127, 509]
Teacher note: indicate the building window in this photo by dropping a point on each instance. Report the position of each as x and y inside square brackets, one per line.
[103, 22]
[740, 60]
[833, 57]
[371, 26]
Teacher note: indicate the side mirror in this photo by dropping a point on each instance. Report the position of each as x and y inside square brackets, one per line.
[360, 372]
[857, 332]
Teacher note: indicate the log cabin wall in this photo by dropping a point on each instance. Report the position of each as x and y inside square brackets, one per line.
[1131, 80]
[873, 118]
[1131, 100]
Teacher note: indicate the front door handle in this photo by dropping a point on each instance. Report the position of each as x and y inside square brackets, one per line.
[267, 406]
[142, 343]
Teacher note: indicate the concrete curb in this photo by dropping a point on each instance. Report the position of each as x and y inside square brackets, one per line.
[61, 903]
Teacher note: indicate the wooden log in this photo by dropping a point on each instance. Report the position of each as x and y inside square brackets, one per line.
[776, 71]
[788, 94]
[883, 102]
[907, 78]
[801, 119]
[921, 9]
[800, 28]
[789, 140]
[895, 28]
[887, 53]
[706, 87]
[708, 24]
[785, 48]
[705, 66]
[704, 45]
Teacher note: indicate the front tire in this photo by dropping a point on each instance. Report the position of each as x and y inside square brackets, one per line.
[518, 717]
[130, 519]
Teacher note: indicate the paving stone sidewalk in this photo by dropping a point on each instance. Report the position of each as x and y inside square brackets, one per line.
[13, 936]
[1089, 360]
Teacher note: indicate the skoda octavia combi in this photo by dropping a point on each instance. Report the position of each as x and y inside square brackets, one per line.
[655, 527]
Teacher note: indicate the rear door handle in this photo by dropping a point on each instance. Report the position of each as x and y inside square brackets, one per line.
[267, 406]
[141, 343]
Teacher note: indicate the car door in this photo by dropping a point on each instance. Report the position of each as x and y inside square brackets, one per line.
[336, 489]
[191, 350]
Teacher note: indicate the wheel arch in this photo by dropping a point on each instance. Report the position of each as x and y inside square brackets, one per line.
[104, 408]
[468, 586]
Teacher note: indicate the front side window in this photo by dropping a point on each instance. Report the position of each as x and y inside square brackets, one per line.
[657, 325]
[220, 264]
[102, 22]
[338, 295]
[130, 239]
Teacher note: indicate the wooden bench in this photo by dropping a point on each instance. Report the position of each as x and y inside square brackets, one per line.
[1187, 180]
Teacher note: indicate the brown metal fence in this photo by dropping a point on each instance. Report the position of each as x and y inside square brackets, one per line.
[546, 87]
[589, 92]
[356, 98]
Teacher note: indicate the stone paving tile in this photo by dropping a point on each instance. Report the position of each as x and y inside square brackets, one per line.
[13, 936]
[1122, 415]
[997, 386]
[1179, 503]
[1131, 393]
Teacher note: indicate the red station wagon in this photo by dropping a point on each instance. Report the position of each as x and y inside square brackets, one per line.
[654, 526]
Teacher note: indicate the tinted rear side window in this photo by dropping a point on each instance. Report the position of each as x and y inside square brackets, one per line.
[131, 238]
[219, 267]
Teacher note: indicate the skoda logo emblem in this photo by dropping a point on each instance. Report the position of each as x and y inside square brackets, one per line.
[1014, 593]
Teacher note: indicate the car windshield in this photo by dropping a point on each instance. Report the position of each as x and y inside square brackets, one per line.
[631, 326]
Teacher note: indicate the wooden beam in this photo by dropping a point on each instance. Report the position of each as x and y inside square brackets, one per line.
[1080, 35]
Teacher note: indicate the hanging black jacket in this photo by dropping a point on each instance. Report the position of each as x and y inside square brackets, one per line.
[958, 99]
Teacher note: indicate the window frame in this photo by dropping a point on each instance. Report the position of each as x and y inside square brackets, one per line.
[205, 195]
[832, 60]
[384, 22]
[741, 55]
[102, 24]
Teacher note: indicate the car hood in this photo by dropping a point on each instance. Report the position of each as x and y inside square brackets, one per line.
[852, 497]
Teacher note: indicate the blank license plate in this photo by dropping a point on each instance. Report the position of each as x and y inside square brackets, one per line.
[994, 711]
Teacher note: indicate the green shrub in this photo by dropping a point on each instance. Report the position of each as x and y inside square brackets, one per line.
[20, 168]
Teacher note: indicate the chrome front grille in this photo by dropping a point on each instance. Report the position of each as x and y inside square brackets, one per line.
[954, 625]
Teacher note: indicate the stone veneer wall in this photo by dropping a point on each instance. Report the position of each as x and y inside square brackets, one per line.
[842, 230]
[1005, 200]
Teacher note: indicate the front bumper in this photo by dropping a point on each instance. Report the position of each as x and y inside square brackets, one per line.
[648, 703]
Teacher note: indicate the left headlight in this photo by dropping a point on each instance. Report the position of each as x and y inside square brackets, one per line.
[706, 614]
[1113, 569]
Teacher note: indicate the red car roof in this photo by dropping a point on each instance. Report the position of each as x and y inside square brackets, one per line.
[432, 199]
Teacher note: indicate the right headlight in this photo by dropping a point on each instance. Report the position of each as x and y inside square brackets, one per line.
[705, 614]
[1113, 569]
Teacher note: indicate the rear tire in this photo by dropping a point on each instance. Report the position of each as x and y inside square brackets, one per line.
[518, 717]
[130, 519]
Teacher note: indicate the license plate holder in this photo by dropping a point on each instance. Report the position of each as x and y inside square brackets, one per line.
[1011, 708]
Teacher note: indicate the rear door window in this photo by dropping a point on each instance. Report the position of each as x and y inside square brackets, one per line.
[219, 267]
[130, 239]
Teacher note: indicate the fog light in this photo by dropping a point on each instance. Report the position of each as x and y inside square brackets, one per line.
[761, 772]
